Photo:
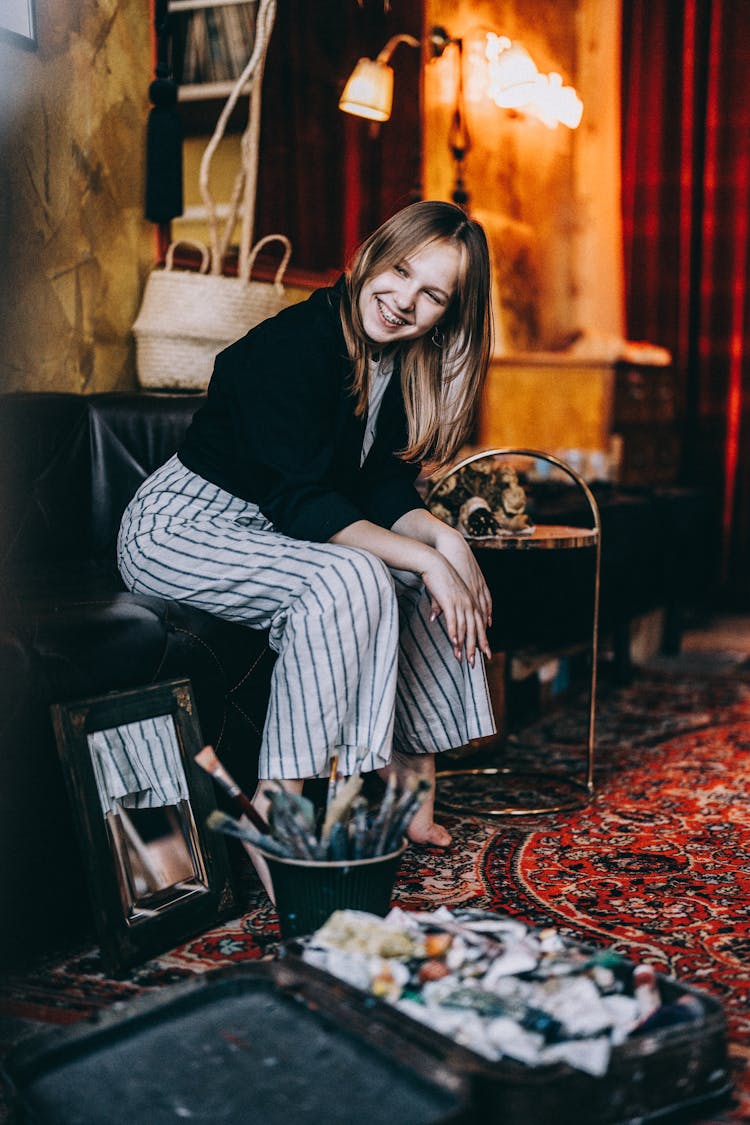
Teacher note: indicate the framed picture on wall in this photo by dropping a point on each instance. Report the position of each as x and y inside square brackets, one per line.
[17, 22]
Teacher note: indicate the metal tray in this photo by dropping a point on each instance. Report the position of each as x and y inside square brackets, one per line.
[269, 1043]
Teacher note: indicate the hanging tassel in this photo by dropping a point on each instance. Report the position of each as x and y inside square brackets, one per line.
[163, 151]
[163, 134]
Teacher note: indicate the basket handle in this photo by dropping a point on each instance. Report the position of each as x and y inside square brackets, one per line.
[282, 265]
[169, 257]
[252, 74]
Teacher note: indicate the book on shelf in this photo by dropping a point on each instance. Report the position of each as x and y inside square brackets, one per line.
[216, 43]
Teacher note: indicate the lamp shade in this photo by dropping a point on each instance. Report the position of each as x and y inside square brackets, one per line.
[369, 91]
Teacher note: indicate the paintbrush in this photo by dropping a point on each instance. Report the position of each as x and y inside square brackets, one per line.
[393, 814]
[340, 805]
[208, 760]
[286, 821]
[333, 780]
[400, 814]
[221, 822]
[338, 843]
[406, 810]
[383, 816]
[359, 827]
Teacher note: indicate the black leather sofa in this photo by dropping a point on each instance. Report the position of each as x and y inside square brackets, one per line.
[69, 630]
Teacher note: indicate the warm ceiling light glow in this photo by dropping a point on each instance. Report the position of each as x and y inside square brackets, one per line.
[369, 91]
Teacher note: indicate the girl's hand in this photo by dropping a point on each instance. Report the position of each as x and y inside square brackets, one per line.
[464, 621]
[441, 556]
[453, 547]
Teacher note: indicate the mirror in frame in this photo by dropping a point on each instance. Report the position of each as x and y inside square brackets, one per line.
[156, 875]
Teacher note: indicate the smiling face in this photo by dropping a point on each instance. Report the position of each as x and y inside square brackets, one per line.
[407, 300]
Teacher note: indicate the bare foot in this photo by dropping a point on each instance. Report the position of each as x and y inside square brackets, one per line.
[435, 836]
[423, 829]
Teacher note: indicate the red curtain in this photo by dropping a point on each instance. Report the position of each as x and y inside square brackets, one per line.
[326, 178]
[686, 218]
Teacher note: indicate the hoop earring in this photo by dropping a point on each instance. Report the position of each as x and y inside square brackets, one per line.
[437, 336]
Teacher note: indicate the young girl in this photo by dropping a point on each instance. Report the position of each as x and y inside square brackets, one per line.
[291, 506]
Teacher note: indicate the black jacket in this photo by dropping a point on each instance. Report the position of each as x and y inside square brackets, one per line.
[278, 428]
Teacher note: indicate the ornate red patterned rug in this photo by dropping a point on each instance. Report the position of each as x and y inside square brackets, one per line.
[657, 865]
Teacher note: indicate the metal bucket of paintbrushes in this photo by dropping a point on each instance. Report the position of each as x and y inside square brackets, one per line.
[307, 892]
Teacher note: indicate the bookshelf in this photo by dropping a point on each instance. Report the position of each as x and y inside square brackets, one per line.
[215, 40]
[213, 43]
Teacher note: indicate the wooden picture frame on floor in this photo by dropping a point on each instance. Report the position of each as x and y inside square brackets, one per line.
[156, 874]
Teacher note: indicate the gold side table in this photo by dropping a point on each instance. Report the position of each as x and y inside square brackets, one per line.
[488, 791]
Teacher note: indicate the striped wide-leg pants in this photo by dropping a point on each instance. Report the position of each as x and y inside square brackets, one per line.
[361, 669]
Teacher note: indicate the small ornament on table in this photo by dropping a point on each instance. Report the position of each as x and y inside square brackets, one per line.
[482, 501]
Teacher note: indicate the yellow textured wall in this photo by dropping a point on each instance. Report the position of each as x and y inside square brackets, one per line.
[74, 244]
[549, 405]
[519, 173]
[548, 199]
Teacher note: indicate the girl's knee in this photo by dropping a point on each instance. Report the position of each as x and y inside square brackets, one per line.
[375, 587]
[358, 591]
[365, 577]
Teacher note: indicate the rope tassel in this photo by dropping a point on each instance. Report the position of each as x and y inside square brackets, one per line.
[163, 133]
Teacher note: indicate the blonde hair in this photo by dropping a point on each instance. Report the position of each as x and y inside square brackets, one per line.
[441, 384]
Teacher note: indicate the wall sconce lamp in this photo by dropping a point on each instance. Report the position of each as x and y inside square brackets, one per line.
[369, 90]
[369, 93]
[512, 82]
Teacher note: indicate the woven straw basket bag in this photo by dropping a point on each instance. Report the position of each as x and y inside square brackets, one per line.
[187, 317]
